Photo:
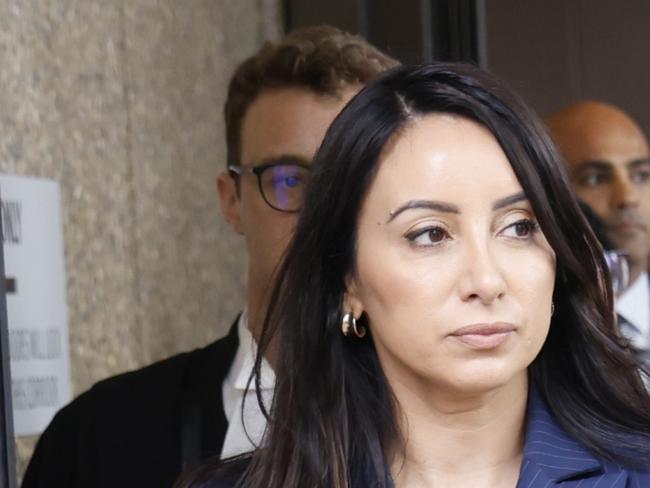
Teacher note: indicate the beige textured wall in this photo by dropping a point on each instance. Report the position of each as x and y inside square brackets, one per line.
[120, 102]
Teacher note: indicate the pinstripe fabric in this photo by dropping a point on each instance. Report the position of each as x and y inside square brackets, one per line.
[553, 459]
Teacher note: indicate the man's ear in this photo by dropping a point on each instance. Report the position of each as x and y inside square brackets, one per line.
[230, 202]
[351, 301]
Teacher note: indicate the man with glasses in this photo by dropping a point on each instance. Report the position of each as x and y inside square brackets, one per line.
[141, 429]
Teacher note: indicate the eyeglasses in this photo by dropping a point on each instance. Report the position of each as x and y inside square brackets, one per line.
[282, 185]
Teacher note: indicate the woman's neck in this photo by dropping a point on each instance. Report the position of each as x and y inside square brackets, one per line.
[473, 441]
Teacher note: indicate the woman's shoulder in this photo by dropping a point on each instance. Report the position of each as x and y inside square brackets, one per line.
[225, 476]
[639, 477]
[217, 482]
[628, 476]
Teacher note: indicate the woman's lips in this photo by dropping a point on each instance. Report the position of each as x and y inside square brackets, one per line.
[484, 336]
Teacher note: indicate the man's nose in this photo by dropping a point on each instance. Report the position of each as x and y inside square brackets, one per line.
[482, 277]
[624, 192]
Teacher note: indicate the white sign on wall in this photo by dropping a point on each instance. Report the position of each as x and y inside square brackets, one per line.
[32, 233]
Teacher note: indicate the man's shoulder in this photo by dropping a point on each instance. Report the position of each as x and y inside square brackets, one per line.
[97, 435]
[164, 377]
[157, 385]
[167, 371]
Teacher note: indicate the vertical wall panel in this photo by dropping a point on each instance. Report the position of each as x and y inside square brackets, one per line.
[558, 51]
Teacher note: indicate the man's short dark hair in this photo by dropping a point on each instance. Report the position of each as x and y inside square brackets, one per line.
[322, 59]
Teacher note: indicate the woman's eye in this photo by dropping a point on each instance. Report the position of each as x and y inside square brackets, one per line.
[428, 237]
[521, 229]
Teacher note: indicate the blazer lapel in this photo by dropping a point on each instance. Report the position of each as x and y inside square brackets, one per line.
[552, 458]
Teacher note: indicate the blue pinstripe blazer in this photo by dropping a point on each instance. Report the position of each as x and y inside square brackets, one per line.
[551, 459]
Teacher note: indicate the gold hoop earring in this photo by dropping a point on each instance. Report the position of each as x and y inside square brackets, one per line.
[349, 323]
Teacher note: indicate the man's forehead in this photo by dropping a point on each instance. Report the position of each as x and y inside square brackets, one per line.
[614, 147]
[287, 122]
[595, 131]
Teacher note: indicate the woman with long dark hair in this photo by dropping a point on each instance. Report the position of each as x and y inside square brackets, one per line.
[443, 316]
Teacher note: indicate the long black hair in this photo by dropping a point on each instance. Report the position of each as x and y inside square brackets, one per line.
[333, 410]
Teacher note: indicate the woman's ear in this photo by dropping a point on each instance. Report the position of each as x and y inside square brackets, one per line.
[352, 302]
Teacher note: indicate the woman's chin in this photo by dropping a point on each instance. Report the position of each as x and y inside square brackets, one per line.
[479, 379]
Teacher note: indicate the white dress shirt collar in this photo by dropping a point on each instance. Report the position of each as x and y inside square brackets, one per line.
[634, 306]
[240, 439]
[244, 361]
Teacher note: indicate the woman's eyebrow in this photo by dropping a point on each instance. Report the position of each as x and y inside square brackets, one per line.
[429, 204]
[451, 208]
[504, 202]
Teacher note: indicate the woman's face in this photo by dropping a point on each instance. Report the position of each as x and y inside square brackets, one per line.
[452, 271]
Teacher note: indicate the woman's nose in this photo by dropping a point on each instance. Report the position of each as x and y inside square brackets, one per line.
[482, 278]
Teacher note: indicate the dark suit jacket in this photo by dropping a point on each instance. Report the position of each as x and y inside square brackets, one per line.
[138, 429]
[551, 459]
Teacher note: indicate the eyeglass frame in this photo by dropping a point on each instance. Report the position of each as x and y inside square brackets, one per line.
[238, 170]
